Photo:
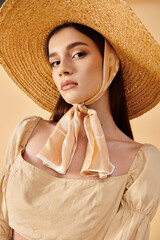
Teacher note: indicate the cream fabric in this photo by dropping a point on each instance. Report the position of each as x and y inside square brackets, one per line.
[58, 151]
[40, 206]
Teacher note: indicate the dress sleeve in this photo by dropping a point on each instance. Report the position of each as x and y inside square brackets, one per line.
[15, 145]
[140, 200]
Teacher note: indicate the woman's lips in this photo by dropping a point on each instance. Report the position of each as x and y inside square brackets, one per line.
[68, 84]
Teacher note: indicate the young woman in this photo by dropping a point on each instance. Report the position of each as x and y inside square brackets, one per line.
[79, 175]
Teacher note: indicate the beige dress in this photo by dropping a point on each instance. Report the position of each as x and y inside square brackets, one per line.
[41, 206]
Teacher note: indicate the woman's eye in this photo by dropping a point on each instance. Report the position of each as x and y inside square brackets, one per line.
[54, 64]
[79, 54]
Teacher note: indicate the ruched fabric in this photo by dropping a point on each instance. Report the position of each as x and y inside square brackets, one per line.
[41, 206]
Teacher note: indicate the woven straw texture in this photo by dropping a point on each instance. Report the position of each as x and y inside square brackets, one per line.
[25, 25]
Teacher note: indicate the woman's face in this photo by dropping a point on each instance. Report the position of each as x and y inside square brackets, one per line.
[76, 63]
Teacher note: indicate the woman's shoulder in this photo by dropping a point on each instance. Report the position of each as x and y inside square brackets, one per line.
[151, 149]
[26, 129]
[151, 154]
[19, 137]
[32, 130]
[146, 166]
[147, 159]
[32, 125]
[37, 139]
[41, 132]
[26, 123]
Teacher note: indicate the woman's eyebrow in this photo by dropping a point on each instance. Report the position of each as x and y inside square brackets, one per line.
[70, 46]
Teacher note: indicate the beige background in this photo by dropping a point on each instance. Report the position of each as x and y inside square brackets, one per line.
[14, 105]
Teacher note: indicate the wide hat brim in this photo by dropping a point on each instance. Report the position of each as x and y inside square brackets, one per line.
[26, 24]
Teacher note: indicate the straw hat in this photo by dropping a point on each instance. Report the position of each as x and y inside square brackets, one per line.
[25, 25]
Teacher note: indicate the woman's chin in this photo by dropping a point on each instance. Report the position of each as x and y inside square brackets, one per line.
[74, 101]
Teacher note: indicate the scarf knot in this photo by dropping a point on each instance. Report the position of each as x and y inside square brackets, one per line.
[81, 107]
[59, 157]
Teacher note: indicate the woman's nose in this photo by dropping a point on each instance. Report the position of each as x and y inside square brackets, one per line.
[64, 69]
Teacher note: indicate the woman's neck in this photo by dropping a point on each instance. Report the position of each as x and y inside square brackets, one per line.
[110, 129]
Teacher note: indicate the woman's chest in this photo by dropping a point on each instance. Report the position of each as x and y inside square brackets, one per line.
[66, 204]
[74, 168]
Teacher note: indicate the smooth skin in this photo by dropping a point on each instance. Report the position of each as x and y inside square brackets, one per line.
[83, 65]
[79, 63]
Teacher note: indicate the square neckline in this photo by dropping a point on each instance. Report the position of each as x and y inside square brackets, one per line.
[24, 143]
[39, 170]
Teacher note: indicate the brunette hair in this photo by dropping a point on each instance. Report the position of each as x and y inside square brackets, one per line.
[117, 97]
